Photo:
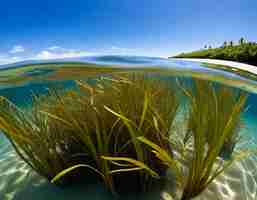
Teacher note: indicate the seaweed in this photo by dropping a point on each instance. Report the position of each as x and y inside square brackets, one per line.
[215, 105]
[214, 116]
[32, 139]
[120, 128]
[113, 113]
[78, 129]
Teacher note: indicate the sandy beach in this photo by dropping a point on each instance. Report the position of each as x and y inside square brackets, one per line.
[237, 65]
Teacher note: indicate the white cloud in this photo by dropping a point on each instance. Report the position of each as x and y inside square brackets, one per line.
[117, 50]
[56, 52]
[54, 48]
[46, 54]
[121, 49]
[52, 52]
[17, 49]
[4, 59]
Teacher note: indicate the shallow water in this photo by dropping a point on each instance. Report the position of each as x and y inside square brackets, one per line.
[19, 82]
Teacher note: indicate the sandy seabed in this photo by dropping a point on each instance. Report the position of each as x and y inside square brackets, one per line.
[18, 183]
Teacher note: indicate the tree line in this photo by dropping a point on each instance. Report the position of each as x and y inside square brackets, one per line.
[242, 51]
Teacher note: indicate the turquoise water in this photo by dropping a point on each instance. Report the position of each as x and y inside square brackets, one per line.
[19, 82]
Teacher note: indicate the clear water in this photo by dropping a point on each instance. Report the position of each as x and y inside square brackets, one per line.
[18, 82]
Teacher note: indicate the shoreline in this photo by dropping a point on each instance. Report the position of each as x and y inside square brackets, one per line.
[237, 65]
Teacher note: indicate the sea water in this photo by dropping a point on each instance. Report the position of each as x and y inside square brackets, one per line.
[19, 82]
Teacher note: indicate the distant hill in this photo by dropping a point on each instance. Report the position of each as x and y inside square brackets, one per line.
[245, 52]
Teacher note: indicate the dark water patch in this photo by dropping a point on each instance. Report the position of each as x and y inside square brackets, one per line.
[123, 59]
[252, 103]
[22, 96]
[38, 72]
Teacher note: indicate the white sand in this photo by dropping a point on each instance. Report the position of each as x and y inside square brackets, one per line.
[237, 65]
[237, 183]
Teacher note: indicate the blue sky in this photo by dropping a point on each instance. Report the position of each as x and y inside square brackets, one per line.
[52, 28]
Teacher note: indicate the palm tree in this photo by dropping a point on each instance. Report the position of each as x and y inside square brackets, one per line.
[241, 41]
[231, 43]
[224, 44]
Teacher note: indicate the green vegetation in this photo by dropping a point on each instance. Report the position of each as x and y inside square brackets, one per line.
[120, 129]
[214, 106]
[25, 74]
[214, 119]
[245, 52]
[77, 128]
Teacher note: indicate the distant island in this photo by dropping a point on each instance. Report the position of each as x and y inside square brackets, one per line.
[243, 51]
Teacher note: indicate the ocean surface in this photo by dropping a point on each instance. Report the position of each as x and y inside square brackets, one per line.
[20, 81]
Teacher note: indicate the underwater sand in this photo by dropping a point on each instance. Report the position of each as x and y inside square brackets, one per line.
[18, 182]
